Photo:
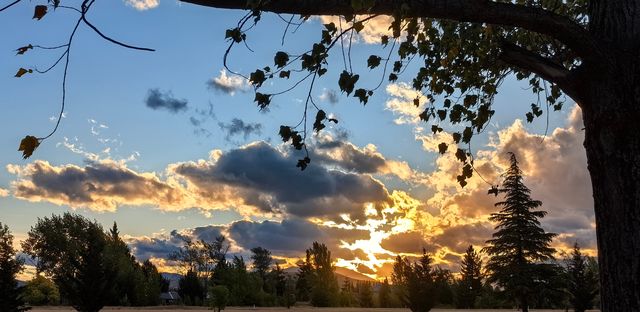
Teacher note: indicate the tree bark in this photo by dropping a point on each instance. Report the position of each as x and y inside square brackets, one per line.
[612, 143]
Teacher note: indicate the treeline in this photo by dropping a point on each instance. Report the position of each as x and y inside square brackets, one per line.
[87, 268]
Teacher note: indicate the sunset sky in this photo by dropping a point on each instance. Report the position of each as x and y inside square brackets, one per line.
[167, 143]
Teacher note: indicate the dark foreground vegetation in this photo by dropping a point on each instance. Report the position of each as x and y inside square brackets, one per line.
[81, 265]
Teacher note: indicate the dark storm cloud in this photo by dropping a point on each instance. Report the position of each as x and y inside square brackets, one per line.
[408, 242]
[350, 157]
[459, 237]
[264, 174]
[157, 99]
[290, 237]
[239, 127]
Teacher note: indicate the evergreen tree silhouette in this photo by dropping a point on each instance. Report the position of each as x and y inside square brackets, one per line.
[582, 282]
[469, 286]
[10, 294]
[520, 245]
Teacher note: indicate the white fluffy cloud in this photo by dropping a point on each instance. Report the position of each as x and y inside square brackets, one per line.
[228, 84]
[142, 5]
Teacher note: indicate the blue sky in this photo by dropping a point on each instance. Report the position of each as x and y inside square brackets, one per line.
[108, 120]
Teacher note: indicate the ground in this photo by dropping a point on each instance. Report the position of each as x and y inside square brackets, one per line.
[301, 309]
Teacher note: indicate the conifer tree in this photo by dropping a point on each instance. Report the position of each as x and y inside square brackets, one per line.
[10, 294]
[384, 295]
[415, 283]
[582, 281]
[469, 286]
[520, 244]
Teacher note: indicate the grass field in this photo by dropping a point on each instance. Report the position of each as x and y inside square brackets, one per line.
[300, 309]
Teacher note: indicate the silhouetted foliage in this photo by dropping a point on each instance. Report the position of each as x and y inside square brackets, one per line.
[71, 248]
[365, 294]
[191, 289]
[218, 297]
[41, 291]
[384, 295]
[469, 286]
[261, 263]
[415, 283]
[520, 244]
[582, 281]
[10, 295]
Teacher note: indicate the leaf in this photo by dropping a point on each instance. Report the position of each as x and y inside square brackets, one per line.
[358, 26]
[373, 61]
[435, 129]
[442, 148]
[257, 78]
[24, 49]
[416, 102]
[263, 100]
[347, 82]
[461, 155]
[281, 59]
[28, 145]
[23, 71]
[462, 180]
[56, 3]
[39, 12]
[285, 74]
[303, 163]
[384, 40]
[235, 34]
[362, 95]
[456, 137]
[320, 117]
[285, 133]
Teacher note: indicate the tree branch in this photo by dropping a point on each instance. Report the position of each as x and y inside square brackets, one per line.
[534, 19]
[546, 68]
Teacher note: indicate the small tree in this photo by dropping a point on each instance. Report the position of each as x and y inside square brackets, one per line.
[324, 286]
[469, 287]
[191, 290]
[262, 260]
[41, 291]
[10, 294]
[218, 297]
[415, 284]
[520, 243]
[582, 281]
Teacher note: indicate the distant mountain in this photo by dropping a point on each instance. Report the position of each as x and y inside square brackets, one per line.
[352, 275]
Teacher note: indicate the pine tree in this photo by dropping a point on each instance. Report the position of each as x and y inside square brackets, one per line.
[415, 283]
[520, 243]
[469, 286]
[582, 282]
[10, 294]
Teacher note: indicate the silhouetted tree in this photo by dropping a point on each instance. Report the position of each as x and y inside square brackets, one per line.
[305, 277]
[384, 295]
[324, 286]
[10, 295]
[415, 283]
[262, 261]
[71, 248]
[365, 295]
[582, 283]
[190, 289]
[520, 243]
[218, 297]
[443, 280]
[469, 286]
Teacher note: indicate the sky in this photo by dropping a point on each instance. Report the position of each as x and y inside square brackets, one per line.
[170, 144]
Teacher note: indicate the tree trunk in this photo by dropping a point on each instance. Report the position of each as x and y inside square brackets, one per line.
[612, 142]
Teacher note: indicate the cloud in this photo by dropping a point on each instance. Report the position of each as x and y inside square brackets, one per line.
[330, 96]
[228, 84]
[401, 103]
[101, 186]
[157, 99]
[238, 126]
[372, 31]
[407, 242]
[142, 5]
[4, 192]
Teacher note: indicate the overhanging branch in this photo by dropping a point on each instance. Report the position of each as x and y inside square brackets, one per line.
[546, 68]
[534, 19]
